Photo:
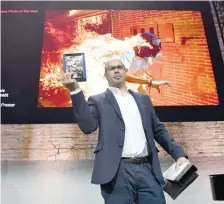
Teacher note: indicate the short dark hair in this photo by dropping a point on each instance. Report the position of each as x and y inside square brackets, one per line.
[151, 38]
[145, 51]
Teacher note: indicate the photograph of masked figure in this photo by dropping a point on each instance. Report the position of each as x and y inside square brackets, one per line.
[166, 54]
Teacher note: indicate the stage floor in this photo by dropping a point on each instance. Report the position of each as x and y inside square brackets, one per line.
[68, 182]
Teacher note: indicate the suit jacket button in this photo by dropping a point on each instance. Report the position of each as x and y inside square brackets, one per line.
[120, 145]
[123, 129]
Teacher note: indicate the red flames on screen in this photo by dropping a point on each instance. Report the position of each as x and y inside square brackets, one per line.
[97, 48]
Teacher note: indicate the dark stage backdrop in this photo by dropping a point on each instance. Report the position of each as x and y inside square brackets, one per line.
[35, 35]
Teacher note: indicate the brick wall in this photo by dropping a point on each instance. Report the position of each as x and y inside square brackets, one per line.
[186, 62]
[67, 142]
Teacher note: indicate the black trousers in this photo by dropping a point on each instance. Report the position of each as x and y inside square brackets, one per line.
[133, 183]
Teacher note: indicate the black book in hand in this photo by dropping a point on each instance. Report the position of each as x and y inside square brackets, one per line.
[176, 181]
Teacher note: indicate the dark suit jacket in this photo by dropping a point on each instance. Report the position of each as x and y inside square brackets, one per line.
[102, 111]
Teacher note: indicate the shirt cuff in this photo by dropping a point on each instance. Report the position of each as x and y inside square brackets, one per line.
[75, 92]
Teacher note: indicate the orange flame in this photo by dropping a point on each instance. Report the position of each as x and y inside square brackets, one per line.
[98, 50]
[71, 12]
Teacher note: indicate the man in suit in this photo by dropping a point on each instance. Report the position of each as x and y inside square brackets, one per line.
[126, 161]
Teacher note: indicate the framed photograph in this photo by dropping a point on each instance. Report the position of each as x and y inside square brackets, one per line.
[75, 63]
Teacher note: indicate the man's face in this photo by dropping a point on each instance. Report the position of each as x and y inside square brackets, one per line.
[146, 49]
[143, 42]
[115, 73]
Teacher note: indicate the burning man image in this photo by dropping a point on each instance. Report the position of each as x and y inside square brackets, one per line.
[138, 60]
[164, 49]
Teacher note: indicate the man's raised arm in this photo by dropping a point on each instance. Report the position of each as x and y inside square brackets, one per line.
[85, 112]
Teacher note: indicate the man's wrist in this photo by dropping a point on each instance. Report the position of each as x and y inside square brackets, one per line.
[75, 91]
[150, 82]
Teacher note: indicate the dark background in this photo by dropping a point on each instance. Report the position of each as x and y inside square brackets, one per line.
[21, 44]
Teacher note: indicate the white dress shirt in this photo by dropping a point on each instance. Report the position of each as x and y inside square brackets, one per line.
[134, 63]
[135, 143]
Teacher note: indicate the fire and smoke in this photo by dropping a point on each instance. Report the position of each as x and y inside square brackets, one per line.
[98, 50]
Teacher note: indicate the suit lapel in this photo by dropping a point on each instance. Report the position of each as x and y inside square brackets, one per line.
[140, 105]
[139, 102]
[113, 101]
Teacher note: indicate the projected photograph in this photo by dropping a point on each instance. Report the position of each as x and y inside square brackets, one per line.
[167, 47]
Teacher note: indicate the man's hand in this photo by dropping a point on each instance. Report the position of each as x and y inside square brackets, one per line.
[181, 161]
[168, 83]
[156, 83]
[69, 82]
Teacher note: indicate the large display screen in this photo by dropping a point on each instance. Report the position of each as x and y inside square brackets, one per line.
[186, 71]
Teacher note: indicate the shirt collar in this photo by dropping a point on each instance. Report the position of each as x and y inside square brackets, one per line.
[117, 91]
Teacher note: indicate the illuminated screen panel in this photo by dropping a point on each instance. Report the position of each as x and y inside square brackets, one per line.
[183, 60]
[39, 38]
